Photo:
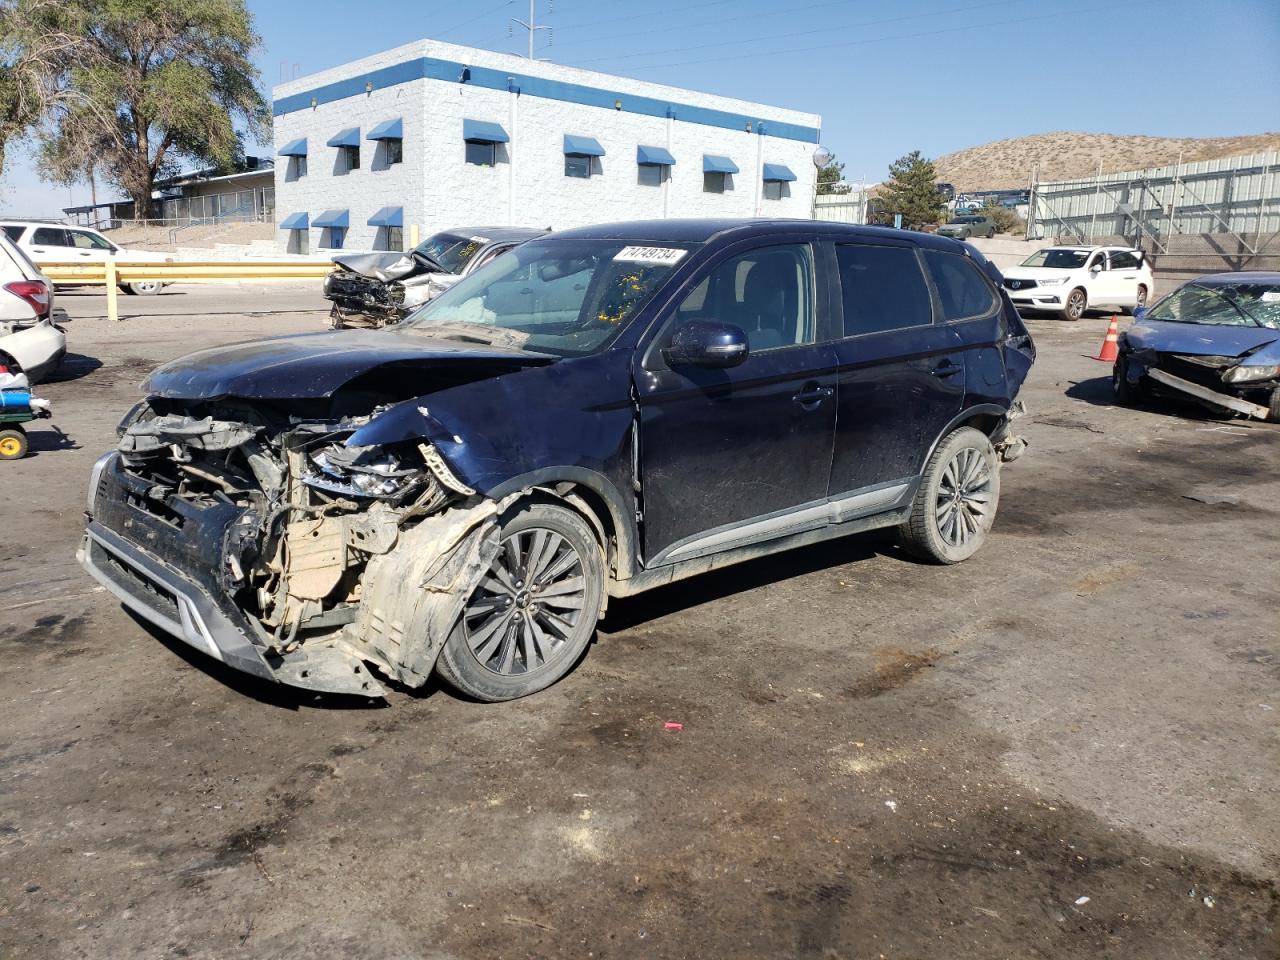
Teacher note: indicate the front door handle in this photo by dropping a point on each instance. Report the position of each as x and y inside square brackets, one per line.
[946, 369]
[812, 394]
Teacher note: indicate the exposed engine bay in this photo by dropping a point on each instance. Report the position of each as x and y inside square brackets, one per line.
[312, 554]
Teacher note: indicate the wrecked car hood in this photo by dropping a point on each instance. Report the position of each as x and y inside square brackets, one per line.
[1199, 338]
[380, 266]
[312, 365]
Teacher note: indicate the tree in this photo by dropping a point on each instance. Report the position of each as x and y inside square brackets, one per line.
[149, 85]
[35, 50]
[830, 177]
[911, 191]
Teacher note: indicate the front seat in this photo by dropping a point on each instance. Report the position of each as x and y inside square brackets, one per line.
[769, 302]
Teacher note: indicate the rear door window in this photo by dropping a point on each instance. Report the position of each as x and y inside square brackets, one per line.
[49, 237]
[962, 289]
[882, 288]
[1123, 260]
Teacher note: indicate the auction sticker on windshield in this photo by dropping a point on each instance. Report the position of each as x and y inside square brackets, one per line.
[663, 255]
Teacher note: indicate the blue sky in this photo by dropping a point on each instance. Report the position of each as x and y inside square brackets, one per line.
[887, 77]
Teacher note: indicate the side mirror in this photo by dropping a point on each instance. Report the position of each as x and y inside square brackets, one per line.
[707, 343]
[1139, 313]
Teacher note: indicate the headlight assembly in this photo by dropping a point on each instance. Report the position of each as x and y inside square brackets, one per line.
[1246, 373]
[361, 472]
[1053, 282]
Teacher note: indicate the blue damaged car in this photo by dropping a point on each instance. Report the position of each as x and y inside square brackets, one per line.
[596, 413]
[1215, 340]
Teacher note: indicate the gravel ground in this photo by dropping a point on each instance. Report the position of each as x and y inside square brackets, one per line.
[1065, 747]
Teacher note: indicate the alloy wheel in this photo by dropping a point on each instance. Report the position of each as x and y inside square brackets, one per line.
[962, 508]
[527, 606]
[1075, 305]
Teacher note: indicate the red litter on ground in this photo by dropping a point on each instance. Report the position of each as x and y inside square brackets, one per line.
[672, 725]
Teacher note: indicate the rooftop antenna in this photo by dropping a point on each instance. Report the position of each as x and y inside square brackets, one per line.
[532, 26]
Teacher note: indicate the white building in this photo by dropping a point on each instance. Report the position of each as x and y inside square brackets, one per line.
[431, 135]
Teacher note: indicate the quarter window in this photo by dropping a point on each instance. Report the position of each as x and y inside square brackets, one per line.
[963, 290]
[13, 233]
[882, 288]
[767, 292]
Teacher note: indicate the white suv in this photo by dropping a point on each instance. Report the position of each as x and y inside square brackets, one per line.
[29, 339]
[1070, 280]
[47, 242]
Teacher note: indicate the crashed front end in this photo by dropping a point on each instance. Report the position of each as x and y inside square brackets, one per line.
[1245, 384]
[261, 537]
[372, 290]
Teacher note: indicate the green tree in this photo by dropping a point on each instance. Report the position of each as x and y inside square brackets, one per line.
[35, 51]
[148, 86]
[830, 176]
[912, 191]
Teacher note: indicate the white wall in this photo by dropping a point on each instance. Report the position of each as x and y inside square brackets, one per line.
[528, 186]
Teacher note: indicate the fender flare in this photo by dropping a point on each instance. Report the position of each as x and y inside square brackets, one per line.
[619, 515]
[963, 417]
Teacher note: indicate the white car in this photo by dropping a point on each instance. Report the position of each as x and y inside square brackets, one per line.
[29, 339]
[47, 242]
[1071, 280]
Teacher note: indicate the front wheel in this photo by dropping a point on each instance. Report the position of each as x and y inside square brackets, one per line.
[1125, 393]
[534, 610]
[1076, 303]
[956, 502]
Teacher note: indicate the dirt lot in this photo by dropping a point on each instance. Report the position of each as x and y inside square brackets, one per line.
[878, 759]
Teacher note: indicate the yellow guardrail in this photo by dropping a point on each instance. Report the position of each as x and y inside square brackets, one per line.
[112, 273]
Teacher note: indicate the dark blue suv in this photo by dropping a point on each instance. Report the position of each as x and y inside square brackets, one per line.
[597, 412]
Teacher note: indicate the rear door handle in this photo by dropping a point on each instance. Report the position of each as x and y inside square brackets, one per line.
[946, 369]
[812, 394]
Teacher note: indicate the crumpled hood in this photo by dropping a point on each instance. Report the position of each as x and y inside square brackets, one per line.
[312, 365]
[1205, 339]
[380, 266]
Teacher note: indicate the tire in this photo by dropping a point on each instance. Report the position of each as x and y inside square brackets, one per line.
[1125, 393]
[1273, 408]
[144, 288]
[13, 444]
[1077, 303]
[505, 625]
[949, 521]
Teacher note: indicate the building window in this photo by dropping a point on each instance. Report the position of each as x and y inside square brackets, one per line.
[773, 189]
[395, 151]
[350, 157]
[482, 153]
[395, 238]
[299, 241]
[652, 174]
[333, 237]
[299, 167]
[715, 182]
[577, 165]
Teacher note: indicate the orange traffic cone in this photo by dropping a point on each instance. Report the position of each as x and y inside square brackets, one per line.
[1110, 344]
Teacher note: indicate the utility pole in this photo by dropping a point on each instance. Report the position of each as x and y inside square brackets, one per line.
[532, 26]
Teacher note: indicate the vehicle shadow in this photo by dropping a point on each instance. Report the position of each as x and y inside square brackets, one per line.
[73, 367]
[1097, 391]
[264, 691]
[628, 612]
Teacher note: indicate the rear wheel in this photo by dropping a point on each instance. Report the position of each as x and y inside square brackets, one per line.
[13, 444]
[143, 288]
[956, 503]
[1273, 408]
[534, 611]
[1076, 303]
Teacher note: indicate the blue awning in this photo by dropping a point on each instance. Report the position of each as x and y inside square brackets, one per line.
[481, 131]
[332, 218]
[713, 164]
[387, 130]
[778, 172]
[582, 146]
[349, 137]
[388, 217]
[297, 221]
[295, 148]
[654, 157]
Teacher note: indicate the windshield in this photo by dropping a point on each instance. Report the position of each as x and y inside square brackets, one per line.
[1233, 305]
[563, 297]
[965, 219]
[449, 250]
[1058, 259]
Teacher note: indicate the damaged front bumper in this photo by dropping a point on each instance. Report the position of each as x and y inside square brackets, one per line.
[1203, 378]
